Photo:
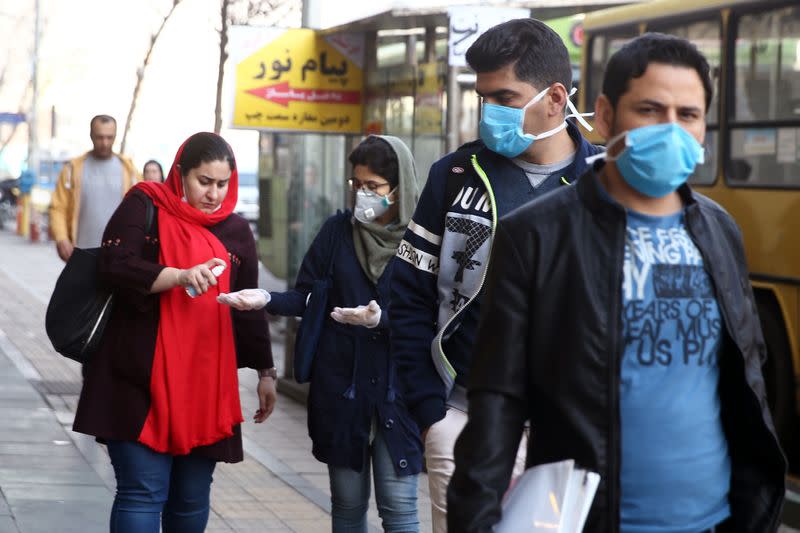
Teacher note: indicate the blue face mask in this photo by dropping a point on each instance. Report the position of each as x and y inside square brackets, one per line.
[657, 159]
[501, 126]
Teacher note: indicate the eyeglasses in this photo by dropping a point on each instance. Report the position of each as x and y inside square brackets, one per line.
[372, 186]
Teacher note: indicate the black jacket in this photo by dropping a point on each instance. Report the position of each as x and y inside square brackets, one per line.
[549, 349]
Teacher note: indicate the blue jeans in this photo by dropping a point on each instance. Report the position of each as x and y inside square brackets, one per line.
[396, 496]
[155, 487]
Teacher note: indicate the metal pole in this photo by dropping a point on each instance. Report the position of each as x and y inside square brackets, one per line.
[453, 109]
[33, 156]
[311, 14]
[29, 220]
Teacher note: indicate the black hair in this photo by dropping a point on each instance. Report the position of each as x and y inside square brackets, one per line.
[379, 157]
[631, 61]
[538, 54]
[156, 163]
[202, 148]
[102, 119]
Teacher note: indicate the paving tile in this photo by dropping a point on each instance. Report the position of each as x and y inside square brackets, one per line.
[8, 525]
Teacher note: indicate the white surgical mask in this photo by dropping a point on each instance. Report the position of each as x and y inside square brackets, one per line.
[370, 205]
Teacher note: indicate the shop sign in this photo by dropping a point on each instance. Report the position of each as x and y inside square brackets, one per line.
[467, 23]
[297, 80]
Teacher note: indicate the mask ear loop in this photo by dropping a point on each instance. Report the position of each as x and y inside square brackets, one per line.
[604, 155]
[574, 112]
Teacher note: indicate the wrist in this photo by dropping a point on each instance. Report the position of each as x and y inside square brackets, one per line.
[268, 373]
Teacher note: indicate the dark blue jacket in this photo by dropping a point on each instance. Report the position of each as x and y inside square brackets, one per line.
[352, 375]
[444, 255]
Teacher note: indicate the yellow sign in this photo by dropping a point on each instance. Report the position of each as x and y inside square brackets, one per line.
[301, 81]
[430, 89]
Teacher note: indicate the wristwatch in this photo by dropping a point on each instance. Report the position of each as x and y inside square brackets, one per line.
[268, 372]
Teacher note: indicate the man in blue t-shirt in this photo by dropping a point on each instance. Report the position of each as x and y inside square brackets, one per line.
[618, 318]
[668, 383]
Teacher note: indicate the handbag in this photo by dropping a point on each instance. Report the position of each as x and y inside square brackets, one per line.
[81, 304]
[310, 329]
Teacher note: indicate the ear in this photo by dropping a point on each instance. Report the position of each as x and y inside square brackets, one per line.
[557, 99]
[604, 117]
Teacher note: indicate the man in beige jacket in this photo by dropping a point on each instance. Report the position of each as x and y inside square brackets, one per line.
[89, 189]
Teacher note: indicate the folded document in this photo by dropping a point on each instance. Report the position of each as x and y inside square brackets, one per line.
[552, 498]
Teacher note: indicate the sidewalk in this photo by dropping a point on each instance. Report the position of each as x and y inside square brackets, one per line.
[52, 479]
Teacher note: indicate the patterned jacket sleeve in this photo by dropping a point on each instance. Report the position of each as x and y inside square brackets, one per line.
[415, 303]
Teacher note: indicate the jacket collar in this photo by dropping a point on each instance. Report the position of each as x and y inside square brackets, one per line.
[600, 202]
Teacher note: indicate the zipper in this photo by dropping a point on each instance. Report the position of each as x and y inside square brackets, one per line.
[485, 179]
[614, 370]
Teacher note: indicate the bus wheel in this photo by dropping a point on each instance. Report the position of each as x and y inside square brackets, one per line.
[779, 377]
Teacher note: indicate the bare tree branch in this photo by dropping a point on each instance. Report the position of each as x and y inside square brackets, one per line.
[140, 74]
[223, 56]
[256, 12]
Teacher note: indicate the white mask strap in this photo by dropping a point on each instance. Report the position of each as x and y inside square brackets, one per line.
[536, 98]
[548, 133]
[574, 111]
[604, 155]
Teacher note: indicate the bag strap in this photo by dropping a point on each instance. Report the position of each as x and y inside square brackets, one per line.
[336, 240]
[150, 210]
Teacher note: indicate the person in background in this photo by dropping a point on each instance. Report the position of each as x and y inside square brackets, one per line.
[529, 148]
[152, 171]
[619, 319]
[356, 416]
[89, 189]
[162, 389]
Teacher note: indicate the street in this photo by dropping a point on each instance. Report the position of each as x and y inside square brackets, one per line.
[53, 479]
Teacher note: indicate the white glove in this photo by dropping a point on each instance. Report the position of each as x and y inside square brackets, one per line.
[246, 299]
[364, 315]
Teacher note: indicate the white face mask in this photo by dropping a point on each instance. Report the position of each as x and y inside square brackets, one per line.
[370, 205]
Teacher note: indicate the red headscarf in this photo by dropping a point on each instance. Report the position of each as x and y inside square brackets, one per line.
[194, 385]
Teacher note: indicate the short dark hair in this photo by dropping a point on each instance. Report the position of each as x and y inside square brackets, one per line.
[379, 157]
[538, 54]
[202, 148]
[631, 61]
[102, 119]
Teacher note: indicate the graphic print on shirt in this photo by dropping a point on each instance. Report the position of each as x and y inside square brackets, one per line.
[670, 311]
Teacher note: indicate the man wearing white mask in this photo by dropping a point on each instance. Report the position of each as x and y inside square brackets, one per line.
[529, 148]
[619, 319]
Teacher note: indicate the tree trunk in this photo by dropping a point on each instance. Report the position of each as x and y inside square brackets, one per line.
[223, 56]
[140, 75]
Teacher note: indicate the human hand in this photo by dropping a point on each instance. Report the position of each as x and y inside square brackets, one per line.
[245, 299]
[200, 277]
[64, 248]
[267, 396]
[364, 315]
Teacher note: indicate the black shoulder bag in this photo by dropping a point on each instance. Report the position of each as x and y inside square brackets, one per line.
[80, 305]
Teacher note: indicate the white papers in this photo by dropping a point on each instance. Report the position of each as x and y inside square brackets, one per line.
[552, 498]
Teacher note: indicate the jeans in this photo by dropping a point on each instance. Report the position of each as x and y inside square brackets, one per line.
[155, 487]
[396, 496]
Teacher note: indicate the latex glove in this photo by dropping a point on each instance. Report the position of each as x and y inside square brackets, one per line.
[245, 299]
[364, 315]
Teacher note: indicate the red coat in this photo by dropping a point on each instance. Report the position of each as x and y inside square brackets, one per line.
[115, 398]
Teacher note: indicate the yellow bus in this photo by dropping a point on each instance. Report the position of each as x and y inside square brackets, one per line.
[753, 151]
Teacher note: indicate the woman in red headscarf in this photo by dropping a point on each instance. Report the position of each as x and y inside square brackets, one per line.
[162, 389]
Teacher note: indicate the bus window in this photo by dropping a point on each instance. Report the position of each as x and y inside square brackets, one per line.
[765, 134]
[707, 36]
[603, 47]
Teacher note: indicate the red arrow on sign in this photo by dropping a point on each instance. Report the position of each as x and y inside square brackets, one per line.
[282, 94]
